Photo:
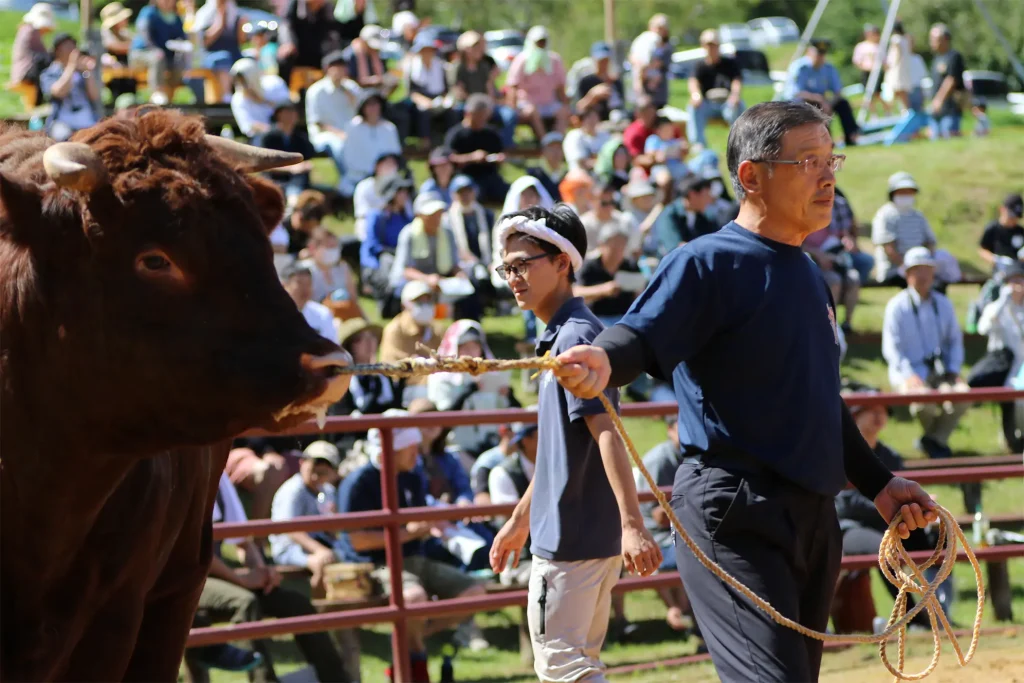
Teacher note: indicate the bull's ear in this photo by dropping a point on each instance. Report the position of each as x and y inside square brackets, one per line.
[21, 207]
[269, 201]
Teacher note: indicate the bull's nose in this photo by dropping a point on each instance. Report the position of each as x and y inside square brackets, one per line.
[335, 359]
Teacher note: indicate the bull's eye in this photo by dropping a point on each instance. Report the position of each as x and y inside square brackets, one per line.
[154, 264]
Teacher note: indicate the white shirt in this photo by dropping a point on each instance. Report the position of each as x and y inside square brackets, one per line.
[1003, 322]
[364, 144]
[431, 79]
[643, 47]
[500, 485]
[364, 200]
[330, 104]
[233, 510]
[247, 112]
[580, 146]
[320, 319]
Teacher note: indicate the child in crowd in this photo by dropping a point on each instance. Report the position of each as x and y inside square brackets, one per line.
[982, 124]
[580, 510]
[666, 139]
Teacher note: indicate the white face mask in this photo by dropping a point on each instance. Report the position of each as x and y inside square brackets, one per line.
[423, 314]
[328, 257]
[717, 188]
[903, 202]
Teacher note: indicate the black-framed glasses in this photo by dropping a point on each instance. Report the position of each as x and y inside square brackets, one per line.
[810, 164]
[517, 269]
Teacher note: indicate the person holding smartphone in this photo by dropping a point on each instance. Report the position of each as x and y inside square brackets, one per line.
[69, 83]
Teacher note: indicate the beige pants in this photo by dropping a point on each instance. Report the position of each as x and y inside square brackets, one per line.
[939, 419]
[568, 613]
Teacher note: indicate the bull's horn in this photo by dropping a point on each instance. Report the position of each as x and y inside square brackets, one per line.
[75, 166]
[251, 159]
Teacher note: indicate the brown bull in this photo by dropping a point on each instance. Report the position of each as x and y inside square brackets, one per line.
[142, 325]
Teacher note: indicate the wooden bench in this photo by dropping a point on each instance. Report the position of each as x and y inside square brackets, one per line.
[211, 83]
[302, 77]
[28, 93]
[962, 461]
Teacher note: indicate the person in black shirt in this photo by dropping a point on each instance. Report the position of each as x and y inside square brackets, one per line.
[949, 92]
[715, 89]
[308, 32]
[478, 150]
[307, 214]
[607, 294]
[1004, 237]
[600, 90]
[287, 136]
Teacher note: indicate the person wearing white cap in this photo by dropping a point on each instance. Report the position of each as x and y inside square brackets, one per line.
[29, 55]
[411, 328]
[924, 347]
[256, 96]
[536, 80]
[898, 226]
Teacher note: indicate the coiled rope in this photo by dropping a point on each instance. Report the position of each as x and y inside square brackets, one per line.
[891, 555]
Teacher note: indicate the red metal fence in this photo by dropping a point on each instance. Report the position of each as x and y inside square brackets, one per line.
[393, 519]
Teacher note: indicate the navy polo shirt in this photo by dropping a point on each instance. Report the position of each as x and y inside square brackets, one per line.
[361, 492]
[574, 515]
[746, 329]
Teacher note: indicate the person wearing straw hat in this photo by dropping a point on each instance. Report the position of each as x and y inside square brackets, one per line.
[743, 326]
[29, 55]
[116, 36]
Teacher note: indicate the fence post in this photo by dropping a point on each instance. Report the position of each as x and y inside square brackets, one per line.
[401, 669]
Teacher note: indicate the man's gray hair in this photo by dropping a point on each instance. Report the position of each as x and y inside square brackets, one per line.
[478, 102]
[757, 134]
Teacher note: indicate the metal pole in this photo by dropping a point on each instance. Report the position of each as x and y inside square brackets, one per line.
[876, 68]
[1010, 54]
[402, 670]
[812, 25]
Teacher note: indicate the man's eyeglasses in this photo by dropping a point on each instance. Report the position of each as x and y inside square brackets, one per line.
[517, 269]
[810, 164]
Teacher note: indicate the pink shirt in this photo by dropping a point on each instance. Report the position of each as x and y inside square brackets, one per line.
[864, 55]
[539, 87]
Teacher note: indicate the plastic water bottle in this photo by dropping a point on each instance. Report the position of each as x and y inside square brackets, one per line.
[326, 499]
[227, 132]
[980, 529]
[447, 668]
[36, 123]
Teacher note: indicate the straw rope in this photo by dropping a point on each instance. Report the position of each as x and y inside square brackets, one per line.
[891, 555]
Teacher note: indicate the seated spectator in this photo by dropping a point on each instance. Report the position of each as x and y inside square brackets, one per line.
[716, 89]
[255, 98]
[69, 83]
[308, 32]
[1002, 321]
[487, 461]
[684, 219]
[442, 170]
[826, 249]
[286, 135]
[949, 91]
[263, 48]
[220, 26]
[642, 127]
[412, 328]
[859, 520]
[470, 223]
[647, 54]
[457, 391]
[377, 252]
[670, 146]
[252, 593]
[601, 90]
[613, 163]
[1003, 238]
[723, 209]
[368, 394]
[427, 84]
[306, 214]
[816, 81]
[116, 35]
[298, 282]
[898, 227]
[365, 198]
[29, 56]
[640, 203]
[536, 84]
[477, 150]
[604, 212]
[654, 78]
[551, 167]
[330, 107]
[608, 281]
[332, 278]
[577, 190]
[662, 461]
[423, 579]
[507, 482]
[844, 226]
[583, 144]
[297, 497]
[368, 137]
[923, 345]
[475, 74]
[157, 28]
[365, 65]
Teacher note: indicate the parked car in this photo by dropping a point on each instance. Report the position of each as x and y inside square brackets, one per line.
[737, 34]
[752, 63]
[767, 31]
[504, 45]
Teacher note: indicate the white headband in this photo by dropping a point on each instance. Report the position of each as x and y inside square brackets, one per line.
[541, 231]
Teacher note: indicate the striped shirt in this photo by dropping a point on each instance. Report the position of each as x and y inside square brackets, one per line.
[907, 229]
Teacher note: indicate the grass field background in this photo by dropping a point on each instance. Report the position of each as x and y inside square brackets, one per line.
[962, 182]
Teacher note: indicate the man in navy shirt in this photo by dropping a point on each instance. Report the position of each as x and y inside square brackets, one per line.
[580, 509]
[762, 458]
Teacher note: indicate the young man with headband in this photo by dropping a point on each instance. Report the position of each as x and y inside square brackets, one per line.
[580, 510]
